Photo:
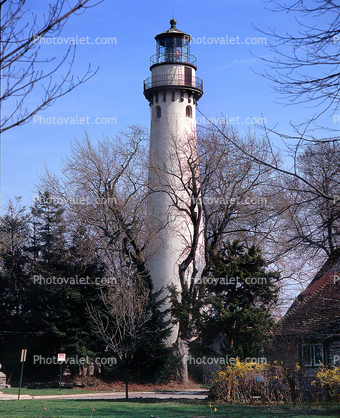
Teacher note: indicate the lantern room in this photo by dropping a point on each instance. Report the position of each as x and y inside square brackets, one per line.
[173, 68]
[172, 46]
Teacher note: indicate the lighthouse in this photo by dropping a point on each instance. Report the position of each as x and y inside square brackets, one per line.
[172, 91]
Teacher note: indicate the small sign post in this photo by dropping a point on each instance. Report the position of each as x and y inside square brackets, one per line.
[22, 360]
[61, 359]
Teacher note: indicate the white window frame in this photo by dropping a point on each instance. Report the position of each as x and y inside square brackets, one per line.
[312, 352]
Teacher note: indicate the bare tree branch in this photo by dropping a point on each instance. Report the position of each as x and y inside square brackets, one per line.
[21, 55]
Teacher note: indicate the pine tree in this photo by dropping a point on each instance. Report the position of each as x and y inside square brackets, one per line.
[14, 262]
[154, 361]
[238, 295]
[63, 255]
[15, 286]
[233, 305]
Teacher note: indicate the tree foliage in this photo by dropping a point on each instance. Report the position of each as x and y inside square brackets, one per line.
[40, 294]
[236, 299]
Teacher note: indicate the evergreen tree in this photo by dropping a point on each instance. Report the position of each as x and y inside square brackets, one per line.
[49, 241]
[233, 307]
[41, 304]
[238, 297]
[14, 267]
[15, 287]
[61, 258]
[154, 361]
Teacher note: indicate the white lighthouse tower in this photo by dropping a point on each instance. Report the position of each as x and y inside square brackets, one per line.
[173, 91]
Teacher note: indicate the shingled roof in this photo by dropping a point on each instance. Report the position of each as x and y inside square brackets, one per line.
[316, 311]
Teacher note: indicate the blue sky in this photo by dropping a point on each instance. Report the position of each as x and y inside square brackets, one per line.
[232, 86]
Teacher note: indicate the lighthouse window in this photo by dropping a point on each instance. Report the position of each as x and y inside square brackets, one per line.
[158, 112]
[188, 112]
[188, 76]
[175, 48]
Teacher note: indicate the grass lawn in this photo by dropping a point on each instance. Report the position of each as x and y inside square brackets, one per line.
[145, 408]
[38, 392]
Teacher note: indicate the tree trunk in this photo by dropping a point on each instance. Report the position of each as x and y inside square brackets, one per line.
[183, 352]
[126, 382]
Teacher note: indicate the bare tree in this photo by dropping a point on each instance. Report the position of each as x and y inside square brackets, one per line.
[303, 214]
[312, 214]
[306, 63]
[124, 318]
[104, 187]
[235, 187]
[210, 188]
[220, 193]
[26, 67]
[216, 194]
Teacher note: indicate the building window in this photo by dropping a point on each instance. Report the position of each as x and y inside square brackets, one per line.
[318, 355]
[312, 355]
[158, 112]
[188, 76]
[188, 112]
